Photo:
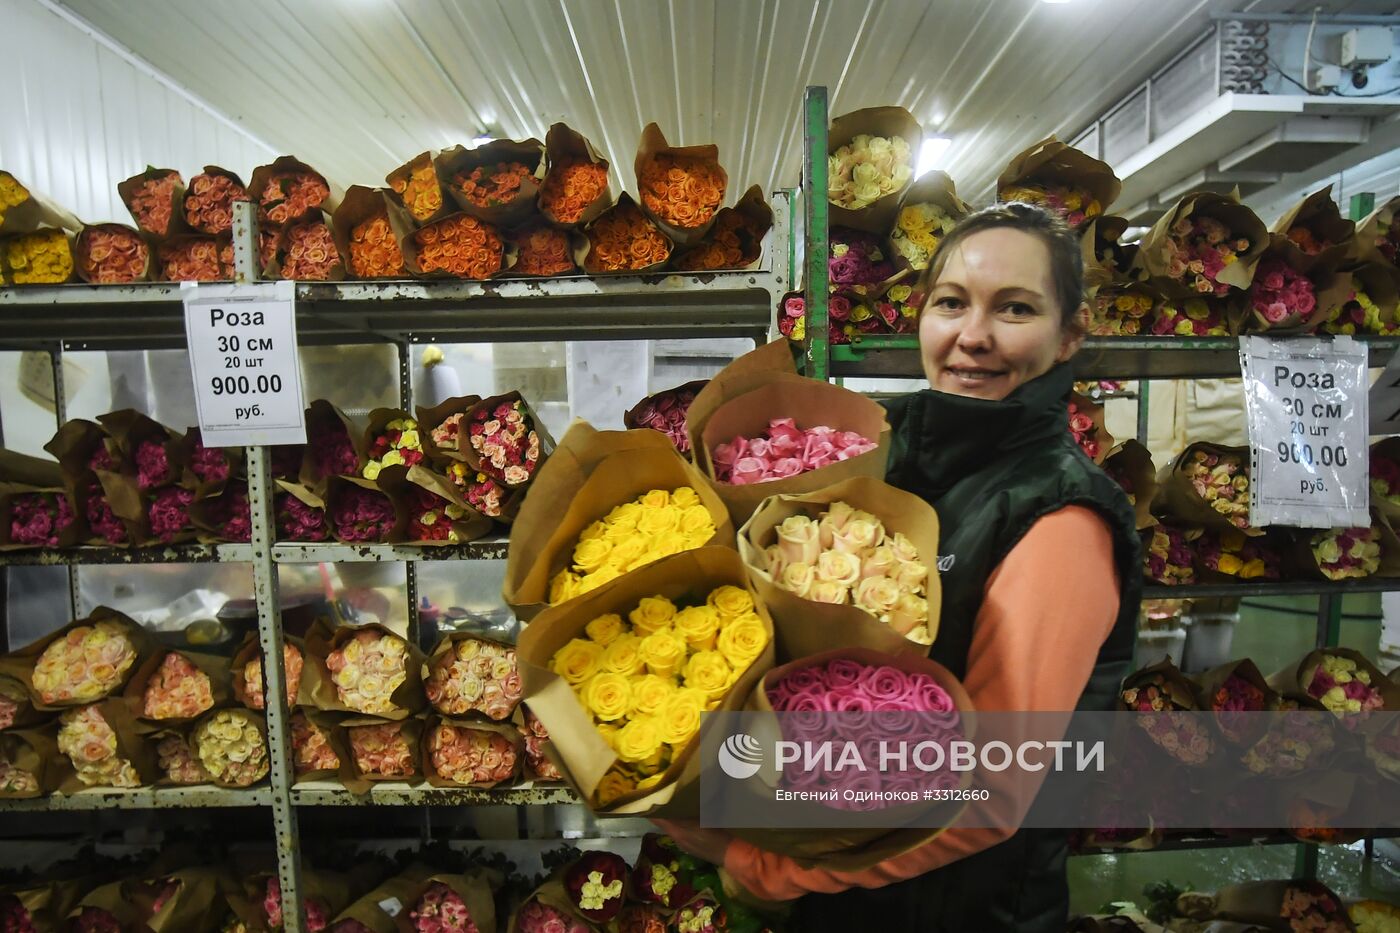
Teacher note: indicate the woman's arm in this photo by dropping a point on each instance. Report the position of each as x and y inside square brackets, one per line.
[1048, 607]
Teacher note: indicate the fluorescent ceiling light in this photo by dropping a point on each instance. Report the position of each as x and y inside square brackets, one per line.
[1054, 1]
[481, 140]
[931, 153]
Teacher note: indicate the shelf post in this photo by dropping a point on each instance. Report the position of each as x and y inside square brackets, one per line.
[815, 230]
[410, 567]
[1329, 620]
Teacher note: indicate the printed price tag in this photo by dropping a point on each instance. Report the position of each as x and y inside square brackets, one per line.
[1306, 403]
[243, 355]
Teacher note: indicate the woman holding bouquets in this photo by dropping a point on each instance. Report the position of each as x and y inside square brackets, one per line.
[1039, 570]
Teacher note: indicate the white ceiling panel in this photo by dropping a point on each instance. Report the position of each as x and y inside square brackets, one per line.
[357, 86]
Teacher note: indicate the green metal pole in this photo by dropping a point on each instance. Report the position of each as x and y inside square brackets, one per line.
[814, 210]
[1361, 205]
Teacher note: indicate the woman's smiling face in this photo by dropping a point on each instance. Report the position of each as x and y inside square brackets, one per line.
[992, 321]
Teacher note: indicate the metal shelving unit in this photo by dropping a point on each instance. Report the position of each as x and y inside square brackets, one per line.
[151, 316]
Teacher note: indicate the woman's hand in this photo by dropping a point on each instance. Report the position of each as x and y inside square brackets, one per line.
[707, 844]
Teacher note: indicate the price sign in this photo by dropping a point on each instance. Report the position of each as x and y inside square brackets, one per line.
[243, 355]
[1307, 408]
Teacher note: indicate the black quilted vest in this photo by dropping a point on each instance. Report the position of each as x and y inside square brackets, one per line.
[991, 469]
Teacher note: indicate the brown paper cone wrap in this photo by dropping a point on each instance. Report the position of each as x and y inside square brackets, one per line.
[251, 650]
[206, 229]
[1105, 260]
[73, 446]
[1299, 561]
[1176, 684]
[321, 641]
[37, 472]
[1330, 288]
[1258, 902]
[1381, 283]
[1317, 803]
[1319, 213]
[590, 474]
[430, 419]
[1210, 681]
[401, 175]
[288, 163]
[1176, 498]
[9, 274]
[192, 909]
[858, 849]
[126, 190]
[471, 887]
[111, 898]
[301, 494]
[584, 255]
[1238, 219]
[1051, 162]
[563, 146]
[258, 719]
[631, 416]
[652, 144]
[211, 666]
[583, 754]
[119, 715]
[754, 219]
[183, 451]
[72, 534]
[278, 268]
[809, 403]
[1293, 681]
[42, 901]
[377, 425]
[804, 626]
[1277, 541]
[130, 428]
[330, 723]
[322, 413]
[443, 652]
[878, 217]
[33, 213]
[335, 490]
[360, 205]
[398, 482]
[367, 909]
[17, 691]
[358, 781]
[551, 894]
[748, 372]
[1095, 411]
[1388, 448]
[547, 445]
[935, 188]
[511, 734]
[35, 751]
[1135, 462]
[83, 244]
[1370, 233]
[161, 733]
[458, 160]
[520, 234]
[332, 890]
[19, 664]
[407, 235]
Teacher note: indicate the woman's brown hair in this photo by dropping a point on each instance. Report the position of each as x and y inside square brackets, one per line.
[1066, 262]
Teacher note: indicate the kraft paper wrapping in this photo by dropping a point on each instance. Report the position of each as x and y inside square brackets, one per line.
[563, 146]
[888, 122]
[1135, 462]
[184, 451]
[1320, 213]
[380, 908]
[1176, 498]
[333, 725]
[402, 174]
[1051, 162]
[1253, 902]
[552, 894]
[511, 734]
[259, 721]
[34, 213]
[804, 626]
[756, 219]
[193, 908]
[520, 208]
[19, 664]
[407, 235]
[582, 753]
[209, 229]
[588, 475]
[471, 886]
[443, 653]
[430, 419]
[119, 715]
[359, 205]
[321, 640]
[36, 751]
[935, 188]
[1292, 681]
[533, 421]
[1208, 682]
[335, 490]
[398, 483]
[1238, 219]
[583, 247]
[357, 780]
[127, 189]
[1330, 287]
[322, 413]
[257, 184]
[84, 243]
[858, 849]
[652, 144]
[213, 667]
[111, 898]
[72, 534]
[250, 650]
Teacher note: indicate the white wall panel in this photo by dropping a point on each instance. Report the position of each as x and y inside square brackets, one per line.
[88, 117]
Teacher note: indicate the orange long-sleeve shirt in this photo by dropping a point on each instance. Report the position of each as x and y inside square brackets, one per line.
[1046, 611]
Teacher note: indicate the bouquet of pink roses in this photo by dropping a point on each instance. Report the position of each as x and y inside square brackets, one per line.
[177, 689]
[39, 519]
[332, 450]
[178, 762]
[359, 512]
[537, 916]
[467, 674]
[785, 450]
[297, 520]
[505, 440]
[383, 750]
[1086, 425]
[538, 765]
[169, 514]
[1281, 296]
[312, 750]
[226, 516]
[89, 740]
[441, 910]
[665, 412]
[1208, 244]
[367, 668]
[468, 757]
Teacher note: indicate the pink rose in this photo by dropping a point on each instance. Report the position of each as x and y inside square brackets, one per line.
[758, 447]
[887, 683]
[747, 471]
[785, 467]
[818, 452]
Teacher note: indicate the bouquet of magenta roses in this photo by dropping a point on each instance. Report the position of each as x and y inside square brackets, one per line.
[665, 412]
[36, 510]
[1208, 244]
[1166, 699]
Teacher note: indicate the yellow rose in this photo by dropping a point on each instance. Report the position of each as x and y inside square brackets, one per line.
[592, 532]
[597, 578]
[650, 693]
[614, 534]
[614, 784]
[410, 440]
[626, 552]
[698, 539]
[663, 653]
[371, 470]
[563, 587]
[606, 628]
[392, 458]
[575, 662]
[685, 497]
[679, 719]
[696, 519]
[708, 672]
[659, 521]
[655, 499]
[608, 731]
[590, 555]
[608, 696]
[623, 656]
[730, 602]
[639, 742]
[672, 542]
[624, 515]
[653, 614]
[742, 641]
[698, 625]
